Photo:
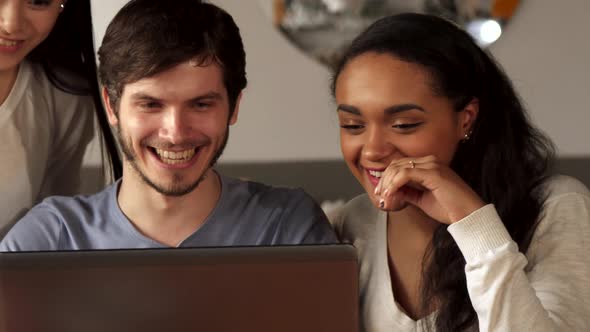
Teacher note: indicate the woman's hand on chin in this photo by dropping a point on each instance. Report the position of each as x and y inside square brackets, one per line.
[429, 185]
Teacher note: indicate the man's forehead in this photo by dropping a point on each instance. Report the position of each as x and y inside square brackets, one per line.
[184, 79]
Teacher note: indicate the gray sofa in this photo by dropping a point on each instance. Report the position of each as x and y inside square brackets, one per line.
[331, 180]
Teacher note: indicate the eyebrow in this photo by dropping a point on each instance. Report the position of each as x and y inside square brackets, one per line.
[140, 96]
[388, 111]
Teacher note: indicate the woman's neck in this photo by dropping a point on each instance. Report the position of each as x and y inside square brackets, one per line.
[7, 79]
[409, 233]
[413, 222]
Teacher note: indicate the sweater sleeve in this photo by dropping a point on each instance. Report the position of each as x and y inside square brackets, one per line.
[546, 290]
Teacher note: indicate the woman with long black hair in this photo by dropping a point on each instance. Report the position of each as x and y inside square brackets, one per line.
[463, 226]
[49, 102]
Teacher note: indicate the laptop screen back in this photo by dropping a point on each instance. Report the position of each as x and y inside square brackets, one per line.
[281, 288]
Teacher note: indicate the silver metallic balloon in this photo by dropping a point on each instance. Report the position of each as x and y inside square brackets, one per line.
[323, 28]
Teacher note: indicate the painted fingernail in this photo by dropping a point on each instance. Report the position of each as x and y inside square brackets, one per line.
[381, 203]
[386, 192]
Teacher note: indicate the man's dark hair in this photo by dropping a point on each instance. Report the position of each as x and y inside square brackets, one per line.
[147, 37]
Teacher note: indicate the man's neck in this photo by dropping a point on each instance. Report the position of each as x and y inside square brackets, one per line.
[168, 219]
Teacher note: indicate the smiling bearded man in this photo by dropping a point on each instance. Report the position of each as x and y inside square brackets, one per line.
[172, 74]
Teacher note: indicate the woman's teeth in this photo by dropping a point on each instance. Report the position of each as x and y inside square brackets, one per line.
[376, 174]
[6, 42]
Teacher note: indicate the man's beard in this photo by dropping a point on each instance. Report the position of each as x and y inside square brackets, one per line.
[175, 189]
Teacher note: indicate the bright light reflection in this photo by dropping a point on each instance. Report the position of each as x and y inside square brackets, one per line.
[484, 31]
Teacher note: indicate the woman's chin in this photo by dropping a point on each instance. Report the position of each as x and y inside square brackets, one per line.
[396, 206]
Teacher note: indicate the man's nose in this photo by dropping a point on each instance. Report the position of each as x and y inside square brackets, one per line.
[175, 127]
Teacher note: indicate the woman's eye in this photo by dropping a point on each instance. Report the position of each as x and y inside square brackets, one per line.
[39, 4]
[406, 126]
[352, 127]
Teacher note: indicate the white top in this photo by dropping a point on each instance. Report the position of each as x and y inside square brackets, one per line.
[44, 133]
[546, 290]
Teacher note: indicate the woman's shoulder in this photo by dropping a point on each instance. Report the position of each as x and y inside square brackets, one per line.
[61, 87]
[564, 224]
[567, 202]
[38, 76]
[357, 216]
[360, 205]
[566, 210]
[559, 186]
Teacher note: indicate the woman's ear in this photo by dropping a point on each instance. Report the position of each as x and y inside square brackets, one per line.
[467, 118]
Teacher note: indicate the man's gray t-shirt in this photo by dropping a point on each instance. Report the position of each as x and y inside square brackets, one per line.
[247, 213]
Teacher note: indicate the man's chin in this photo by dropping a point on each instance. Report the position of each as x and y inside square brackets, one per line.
[178, 189]
[174, 188]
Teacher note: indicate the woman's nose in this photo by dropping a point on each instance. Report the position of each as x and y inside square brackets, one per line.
[11, 16]
[376, 146]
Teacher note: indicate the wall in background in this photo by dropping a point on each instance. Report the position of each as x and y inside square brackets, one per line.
[287, 113]
[546, 52]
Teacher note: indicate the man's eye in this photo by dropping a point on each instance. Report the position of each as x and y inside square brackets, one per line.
[202, 104]
[150, 105]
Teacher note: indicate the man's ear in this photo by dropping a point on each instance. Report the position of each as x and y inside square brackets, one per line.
[111, 114]
[467, 118]
[234, 117]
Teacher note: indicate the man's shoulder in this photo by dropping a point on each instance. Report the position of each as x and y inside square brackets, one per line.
[260, 214]
[253, 191]
[79, 204]
[47, 222]
[79, 208]
[266, 203]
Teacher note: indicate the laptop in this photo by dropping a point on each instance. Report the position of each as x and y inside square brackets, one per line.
[279, 288]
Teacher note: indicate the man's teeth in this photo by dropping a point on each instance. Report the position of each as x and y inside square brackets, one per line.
[172, 157]
[376, 174]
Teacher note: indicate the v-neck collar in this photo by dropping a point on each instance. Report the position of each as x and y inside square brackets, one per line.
[398, 314]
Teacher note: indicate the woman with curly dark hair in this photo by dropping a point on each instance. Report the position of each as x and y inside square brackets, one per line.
[462, 227]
